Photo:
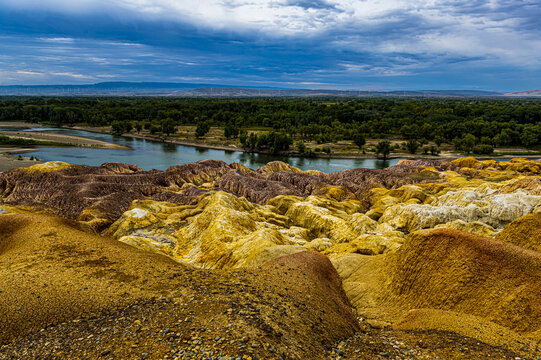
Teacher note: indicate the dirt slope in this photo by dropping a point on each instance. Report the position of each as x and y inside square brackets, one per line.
[524, 232]
[452, 281]
[53, 273]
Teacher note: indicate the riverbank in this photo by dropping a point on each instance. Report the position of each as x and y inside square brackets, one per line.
[340, 150]
[9, 162]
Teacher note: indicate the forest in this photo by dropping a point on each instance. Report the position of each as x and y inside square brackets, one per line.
[470, 124]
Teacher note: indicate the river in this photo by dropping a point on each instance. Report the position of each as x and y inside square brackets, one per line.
[149, 154]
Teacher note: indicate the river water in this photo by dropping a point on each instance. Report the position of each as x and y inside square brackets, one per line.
[149, 154]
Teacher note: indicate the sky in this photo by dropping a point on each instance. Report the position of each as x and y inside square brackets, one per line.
[319, 44]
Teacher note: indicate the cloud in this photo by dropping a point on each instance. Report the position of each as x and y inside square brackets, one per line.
[70, 74]
[477, 28]
[305, 42]
[58, 39]
[377, 71]
[22, 72]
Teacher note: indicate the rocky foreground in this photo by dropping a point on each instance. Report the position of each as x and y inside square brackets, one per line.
[427, 259]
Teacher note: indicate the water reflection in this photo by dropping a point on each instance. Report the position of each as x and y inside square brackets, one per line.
[169, 148]
[201, 151]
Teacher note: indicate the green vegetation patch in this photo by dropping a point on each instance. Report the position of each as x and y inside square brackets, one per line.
[468, 125]
[6, 140]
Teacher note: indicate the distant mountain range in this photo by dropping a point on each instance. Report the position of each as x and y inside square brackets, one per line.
[213, 90]
[528, 93]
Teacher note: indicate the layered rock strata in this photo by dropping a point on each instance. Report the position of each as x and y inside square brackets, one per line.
[415, 244]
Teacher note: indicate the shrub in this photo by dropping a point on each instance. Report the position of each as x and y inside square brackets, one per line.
[483, 149]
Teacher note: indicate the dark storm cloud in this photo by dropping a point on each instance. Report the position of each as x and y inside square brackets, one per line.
[394, 43]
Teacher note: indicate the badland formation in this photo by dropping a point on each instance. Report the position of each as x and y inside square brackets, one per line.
[426, 259]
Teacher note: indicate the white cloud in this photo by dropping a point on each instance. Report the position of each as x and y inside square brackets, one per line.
[378, 71]
[194, 78]
[58, 39]
[454, 28]
[73, 75]
[33, 73]
[68, 6]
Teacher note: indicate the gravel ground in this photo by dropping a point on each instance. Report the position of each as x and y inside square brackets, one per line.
[167, 329]
[8, 162]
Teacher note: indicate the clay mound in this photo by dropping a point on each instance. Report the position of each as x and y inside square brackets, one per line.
[531, 185]
[448, 270]
[321, 275]
[306, 183]
[54, 276]
[53, 272]
[98, 195]
[121, 167]
[276, 166]
[254, 189]
[189, 196]
[465, 325]
[524, 232]
[440, 165]
[458, 271]
[361, 181]
[197, 173]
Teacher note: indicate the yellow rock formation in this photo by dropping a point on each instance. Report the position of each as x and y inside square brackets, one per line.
[223, 231]
[48, 166]
[524, 232]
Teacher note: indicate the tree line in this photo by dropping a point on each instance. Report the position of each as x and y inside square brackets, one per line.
[472, 125]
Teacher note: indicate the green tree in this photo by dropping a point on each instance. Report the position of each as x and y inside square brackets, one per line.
[468, 142]
[243, 137]
[529, 136]
[384, 148]
[252, 141]
[128, 126]
[434, 150]
[359, 139]
[202, 129]
[505, 137]
[438, 139]
[301, 148]
[117, 128]
[412, 146]
[409, 132]
[483, 149]
[486, 140]
[168, 126]
[231, 131]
